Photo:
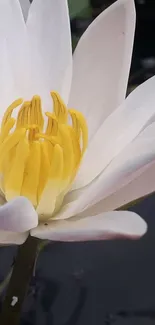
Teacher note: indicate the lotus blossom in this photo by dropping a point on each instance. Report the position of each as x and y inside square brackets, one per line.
[72, 148]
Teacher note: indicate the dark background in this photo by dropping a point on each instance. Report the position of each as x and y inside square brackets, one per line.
[103, 282]
[143, 64]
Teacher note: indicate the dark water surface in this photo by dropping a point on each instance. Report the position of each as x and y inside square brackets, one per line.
[93, 283]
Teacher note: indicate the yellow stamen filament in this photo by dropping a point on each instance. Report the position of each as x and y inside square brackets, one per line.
[23, 115]
[36, 116]
[6, 129]
[60, 109]
[41, 165]
[32, 173]
[79, 125]
[14, 177]
[9, 111]
[52, 125]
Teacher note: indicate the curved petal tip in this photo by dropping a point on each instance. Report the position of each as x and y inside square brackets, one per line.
[18, 215]
[110, 225]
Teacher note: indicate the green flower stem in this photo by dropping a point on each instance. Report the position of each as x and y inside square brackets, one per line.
[5, 282]
[19, 282]
[40, 247]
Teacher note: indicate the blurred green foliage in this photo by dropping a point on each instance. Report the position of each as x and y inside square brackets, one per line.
[76, 6]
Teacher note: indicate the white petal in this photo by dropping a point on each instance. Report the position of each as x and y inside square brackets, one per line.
[141, 186]
[101, 64]
[104, 226]
[13, 30]
[122, 170]
[49, 32]
[18, 215]
[8, 90]
[12, 238]
[118, 131]
[25, 5]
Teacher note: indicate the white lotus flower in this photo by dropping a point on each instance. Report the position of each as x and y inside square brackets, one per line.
[57, 187]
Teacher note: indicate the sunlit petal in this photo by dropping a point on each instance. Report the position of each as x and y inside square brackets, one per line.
[120, 172]
[49, 33]
[141, 186]
[118, 131]
[101, 63]
[13, 29]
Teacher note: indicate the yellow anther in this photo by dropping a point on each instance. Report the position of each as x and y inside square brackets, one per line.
[75, 124]
[10, 142]
[36, 116]
[68, 154]
[9, 111]
[23, 115]
[47, 144]
[44, 166]
[59, 107]
[52, 189]
[33, 131]
[32, 173]
[76, 148]
[6, 129]
[53, 140]
[79, 122]
[52, 125]
[14, 177]
[38, 164]
[6, 167]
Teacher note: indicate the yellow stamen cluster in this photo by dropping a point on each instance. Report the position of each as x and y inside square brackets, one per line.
[38, 161]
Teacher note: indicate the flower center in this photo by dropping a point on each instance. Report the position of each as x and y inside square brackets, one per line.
[37, 161]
